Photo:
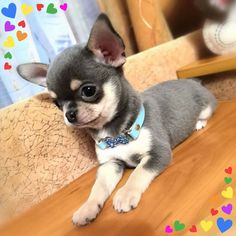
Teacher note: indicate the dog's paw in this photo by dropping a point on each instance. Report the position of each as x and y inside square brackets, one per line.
[86, 213]
[201, 124]
[126, 199]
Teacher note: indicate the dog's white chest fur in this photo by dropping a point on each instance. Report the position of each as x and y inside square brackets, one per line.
[123, 152]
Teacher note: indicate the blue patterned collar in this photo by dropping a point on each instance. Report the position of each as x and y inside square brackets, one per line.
[126, 136]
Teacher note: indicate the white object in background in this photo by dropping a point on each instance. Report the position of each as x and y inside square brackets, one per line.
[220, 38]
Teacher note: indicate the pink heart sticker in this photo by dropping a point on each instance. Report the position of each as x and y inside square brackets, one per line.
[168, 229]
[64, 6]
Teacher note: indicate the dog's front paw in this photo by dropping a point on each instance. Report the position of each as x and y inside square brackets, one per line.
[126, 199]
[200, 124]
[86, 213]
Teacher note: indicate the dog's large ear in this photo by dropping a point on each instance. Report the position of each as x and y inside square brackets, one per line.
[33, 72]
[105, 43]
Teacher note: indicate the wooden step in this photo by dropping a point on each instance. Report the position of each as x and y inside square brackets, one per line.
[208, 66]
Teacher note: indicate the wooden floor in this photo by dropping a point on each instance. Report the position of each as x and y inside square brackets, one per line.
[186, 191]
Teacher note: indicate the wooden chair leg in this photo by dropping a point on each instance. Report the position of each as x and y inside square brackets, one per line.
[149, 24]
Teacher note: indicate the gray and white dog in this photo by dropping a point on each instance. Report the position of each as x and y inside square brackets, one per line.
[130, 129]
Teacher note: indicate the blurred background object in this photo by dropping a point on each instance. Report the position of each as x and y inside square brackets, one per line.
[152, 22]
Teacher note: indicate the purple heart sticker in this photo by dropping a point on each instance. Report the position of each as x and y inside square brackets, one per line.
[9, 26]
[227, 209]
[168, 229]
[64, 6]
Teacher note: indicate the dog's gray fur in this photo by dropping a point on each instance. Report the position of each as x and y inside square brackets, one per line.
[180, 102]
[172, 110]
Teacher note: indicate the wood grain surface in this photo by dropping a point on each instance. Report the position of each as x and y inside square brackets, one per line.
[186, 191]
[208, 66]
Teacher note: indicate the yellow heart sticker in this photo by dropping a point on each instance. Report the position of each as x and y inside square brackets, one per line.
[206, 225]
[9, 43]
[228, 193]
[26, 9]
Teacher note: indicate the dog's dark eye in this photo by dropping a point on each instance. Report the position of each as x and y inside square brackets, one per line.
[88, 92]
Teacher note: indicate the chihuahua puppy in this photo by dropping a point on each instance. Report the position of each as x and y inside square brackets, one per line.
[130, 129]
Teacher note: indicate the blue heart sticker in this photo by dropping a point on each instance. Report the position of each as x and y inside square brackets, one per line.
[9, 11]
[224, 225]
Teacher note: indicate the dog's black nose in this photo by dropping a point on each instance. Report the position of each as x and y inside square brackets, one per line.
[71, 116]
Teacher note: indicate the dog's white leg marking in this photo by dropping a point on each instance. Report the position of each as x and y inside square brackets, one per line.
[108, 176]
[203, 117]
[129, 195]
[206, 113]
